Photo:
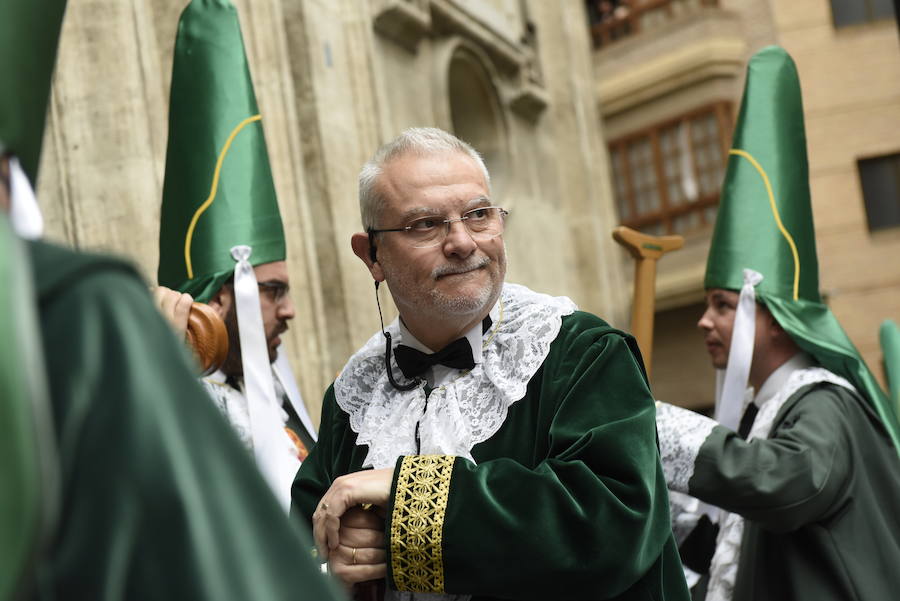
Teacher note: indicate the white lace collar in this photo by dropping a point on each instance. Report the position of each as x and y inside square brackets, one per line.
[463, 412]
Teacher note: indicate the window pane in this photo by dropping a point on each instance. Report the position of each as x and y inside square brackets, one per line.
[848, 12]
[654, 229]
[880, 178]
[883, 9]
[676, 196]
[619, 185]
[634, 155]
[687, 223]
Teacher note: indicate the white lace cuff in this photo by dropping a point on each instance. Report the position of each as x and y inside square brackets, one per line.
[681, 434]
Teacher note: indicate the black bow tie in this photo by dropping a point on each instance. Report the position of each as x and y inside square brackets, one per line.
[413, 362]
[457, 354]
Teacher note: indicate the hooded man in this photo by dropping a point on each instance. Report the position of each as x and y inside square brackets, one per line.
[221, 239]
[118, 480]
[802, 464]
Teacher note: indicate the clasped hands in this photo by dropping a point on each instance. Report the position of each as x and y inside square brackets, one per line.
[349, 537]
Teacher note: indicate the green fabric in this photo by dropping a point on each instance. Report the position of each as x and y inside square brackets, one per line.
[747, 233]
[212, 95]
[820, 496]
[567, 499]
[27, 457]
[29, 33]
[160, 500]
[751, 234]
[889, 335]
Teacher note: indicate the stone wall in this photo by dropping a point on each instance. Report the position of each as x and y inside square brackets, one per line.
[334, 79]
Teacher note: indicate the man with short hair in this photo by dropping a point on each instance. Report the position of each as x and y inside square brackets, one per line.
[798, 473]
[221, 239]
[511, 437]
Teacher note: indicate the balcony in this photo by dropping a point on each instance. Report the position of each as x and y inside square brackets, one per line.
[615, 20]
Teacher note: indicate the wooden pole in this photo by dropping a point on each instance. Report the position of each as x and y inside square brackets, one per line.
[646, 250]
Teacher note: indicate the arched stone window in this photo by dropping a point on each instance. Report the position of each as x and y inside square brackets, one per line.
[472, 107]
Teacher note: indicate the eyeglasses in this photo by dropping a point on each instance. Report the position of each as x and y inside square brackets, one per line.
[275, 290]
[483, 223]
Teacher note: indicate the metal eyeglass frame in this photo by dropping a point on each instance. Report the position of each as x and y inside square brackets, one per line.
[446, 222]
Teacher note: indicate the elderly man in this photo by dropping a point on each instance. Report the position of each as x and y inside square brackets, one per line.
[804, 462]
[221, 240]
[511, 437]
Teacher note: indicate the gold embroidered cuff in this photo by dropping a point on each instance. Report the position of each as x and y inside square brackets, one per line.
[417, 522]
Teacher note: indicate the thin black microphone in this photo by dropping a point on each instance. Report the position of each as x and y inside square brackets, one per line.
[387, 352]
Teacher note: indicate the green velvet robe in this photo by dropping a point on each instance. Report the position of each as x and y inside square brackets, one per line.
[567, 500]
[821, 498]
[159, 500]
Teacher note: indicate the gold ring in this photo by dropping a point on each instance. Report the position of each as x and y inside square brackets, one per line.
[324, 506]
[353, 557]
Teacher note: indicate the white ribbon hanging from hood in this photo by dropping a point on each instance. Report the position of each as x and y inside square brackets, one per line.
[24, 213]
[730, 396]
[285, 374]
[275, 453]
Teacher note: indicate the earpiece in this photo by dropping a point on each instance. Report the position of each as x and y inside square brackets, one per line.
[387, 348]
[373, 255]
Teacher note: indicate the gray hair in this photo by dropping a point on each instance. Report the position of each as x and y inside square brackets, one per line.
[420, 141]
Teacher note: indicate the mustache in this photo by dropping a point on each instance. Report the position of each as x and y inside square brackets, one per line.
[452, 268]
[281, 329]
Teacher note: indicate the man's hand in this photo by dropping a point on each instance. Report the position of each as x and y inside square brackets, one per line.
[360, 554]
[358, 488]
[175, 307]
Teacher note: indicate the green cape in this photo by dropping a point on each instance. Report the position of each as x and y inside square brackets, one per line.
[28, 469]
[29, 35]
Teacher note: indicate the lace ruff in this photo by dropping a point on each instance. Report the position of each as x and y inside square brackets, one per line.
[724, 566]
[464, 412]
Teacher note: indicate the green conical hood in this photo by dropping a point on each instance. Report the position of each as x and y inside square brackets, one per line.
[765, 223]
[889, 335]
[218, 190]
[765, 219]
[29, 34]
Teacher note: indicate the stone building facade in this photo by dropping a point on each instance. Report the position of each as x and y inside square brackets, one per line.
[669, 77]
[579, 135]
[334, 79]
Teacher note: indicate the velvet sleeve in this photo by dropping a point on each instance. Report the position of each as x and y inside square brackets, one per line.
[334, 455]
[794, 477]
[159, 499]
[315, 474]
[589, 519]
